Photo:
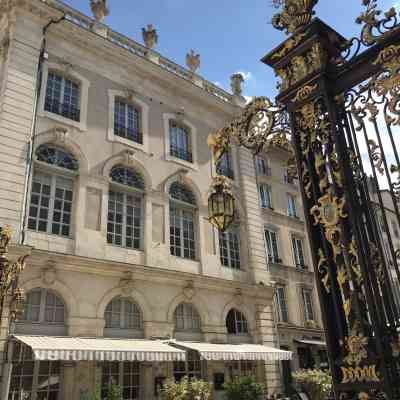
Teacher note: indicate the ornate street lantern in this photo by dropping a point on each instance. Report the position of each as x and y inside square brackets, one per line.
[221, 204]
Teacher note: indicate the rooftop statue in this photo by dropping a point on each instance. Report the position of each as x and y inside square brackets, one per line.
[99, 9]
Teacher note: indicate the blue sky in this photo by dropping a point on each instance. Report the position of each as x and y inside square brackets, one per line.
[231, 36]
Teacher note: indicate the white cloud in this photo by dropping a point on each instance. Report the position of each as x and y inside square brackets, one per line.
[217, 84]
[397, 5]
[248, 99]
[246, 75]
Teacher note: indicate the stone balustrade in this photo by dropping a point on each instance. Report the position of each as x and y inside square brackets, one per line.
[88, 23]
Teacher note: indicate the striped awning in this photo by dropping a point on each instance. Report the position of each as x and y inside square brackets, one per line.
[234, 352]
[312, 342]
[100, 349]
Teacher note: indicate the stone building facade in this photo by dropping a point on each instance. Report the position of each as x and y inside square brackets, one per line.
[104, 178]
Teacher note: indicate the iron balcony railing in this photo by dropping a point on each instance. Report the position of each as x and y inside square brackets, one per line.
[128, 133]
[181, 153]
[64, 109]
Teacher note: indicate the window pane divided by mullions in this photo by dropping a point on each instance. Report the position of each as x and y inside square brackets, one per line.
[182, 235]
[127, 121]
[187, 318]
[124, 374]
[236, 323]
[192, 367]
[122, 313]
[50, 208]
[229, 247]
[282, 304]
[265, 196]
[38, 380]
[62, 96]
[224, 166]
[298, 252]
[272, 246]
[180, 142]
[292, 212]
[308, 305]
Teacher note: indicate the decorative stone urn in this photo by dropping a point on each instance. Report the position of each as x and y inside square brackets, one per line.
[193, 61]
[236, 84]
[150, 36]
[99, 9]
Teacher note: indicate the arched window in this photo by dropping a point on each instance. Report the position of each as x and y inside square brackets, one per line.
[62, 96]
[187, 318]
[236, 323]
[43, 306]
[52, 191]
[125, 204]
[127, 120]
[182, 216]
[121, 313]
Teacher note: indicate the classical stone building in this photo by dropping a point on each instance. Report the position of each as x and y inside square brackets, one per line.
[104, 178]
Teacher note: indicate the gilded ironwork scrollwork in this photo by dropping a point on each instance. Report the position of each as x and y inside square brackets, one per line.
[329, 211]
[304, 92]
[324, 270]
[396, 185]
[356, 346]
[294, 15]
[289, 45]
[376, 156]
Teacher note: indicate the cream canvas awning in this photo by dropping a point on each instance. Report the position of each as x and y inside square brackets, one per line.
[311, 342]
[235, 352]
[100, 349]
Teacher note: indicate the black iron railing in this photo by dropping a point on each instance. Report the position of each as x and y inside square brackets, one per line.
[128, 133]
[181, 153]
[64, 109]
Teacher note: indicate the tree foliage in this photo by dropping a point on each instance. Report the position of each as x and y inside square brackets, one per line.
[316, 383]
[186, 389]
[244, 388]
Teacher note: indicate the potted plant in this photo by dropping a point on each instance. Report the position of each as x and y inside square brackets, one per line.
[316, 383]
[186, 389]
[244, 388]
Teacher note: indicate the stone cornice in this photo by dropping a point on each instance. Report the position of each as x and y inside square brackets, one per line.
[67, 262]
[73, 32]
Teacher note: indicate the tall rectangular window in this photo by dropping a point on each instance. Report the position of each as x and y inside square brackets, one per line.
[124, 374]
[62, 96]
[51, 204]
[292, 212]
[124, 225]
[262, 167]
[225, 166]
[265, 196]
[180, 146]
[229, 248]
[272, 246]
[127, 121]
[298, 253]
[282, 309]
[182, 239]
[308, 305]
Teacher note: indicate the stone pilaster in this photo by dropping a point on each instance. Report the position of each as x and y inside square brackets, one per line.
[268, 337]
[16, 115]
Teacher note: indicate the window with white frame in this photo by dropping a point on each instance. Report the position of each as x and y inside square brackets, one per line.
[308, 305]
[265, 196]
[43, 306]
[127, 120]
[298, 253]
[124, 374]
[51, 199]
[180, 141]
[187, 318]
[292, 212]
[236, 323]
[125, 208]
[229, 248]
[32, 379]
[283, 315]
[191, 367]
[182, 211]
[271, 243]
[62, 96]
[225, 165]
[122, 313]
[262, 167]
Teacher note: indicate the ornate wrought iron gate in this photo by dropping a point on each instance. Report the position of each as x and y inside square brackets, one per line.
[339, 101]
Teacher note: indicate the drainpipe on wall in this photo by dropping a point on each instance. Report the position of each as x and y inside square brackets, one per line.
[28, 171]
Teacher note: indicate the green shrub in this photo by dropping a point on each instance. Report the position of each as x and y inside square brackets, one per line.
[244, 388]
[316, 383]
[186, 389]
